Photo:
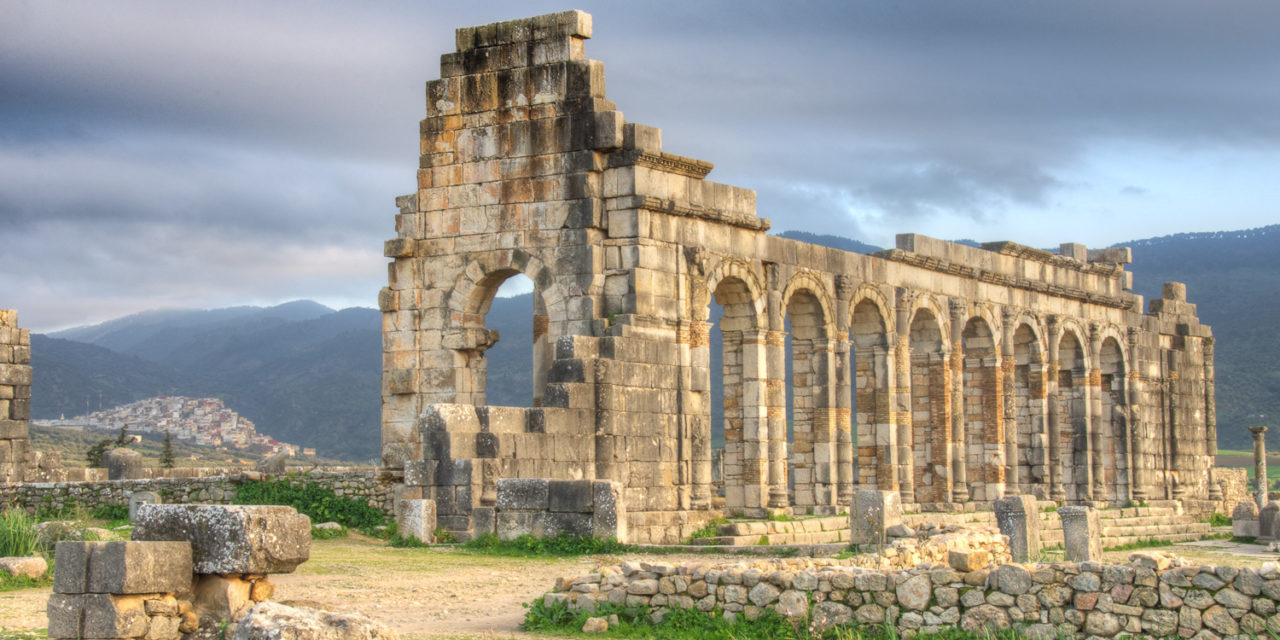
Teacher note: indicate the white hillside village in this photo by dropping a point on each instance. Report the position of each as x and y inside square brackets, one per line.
[203, 421]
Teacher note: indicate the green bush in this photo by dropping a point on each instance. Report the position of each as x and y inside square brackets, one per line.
[110, 512]
[321, 504]
[562, 545]
[1219, 520]
[328, 534]
[17, 533]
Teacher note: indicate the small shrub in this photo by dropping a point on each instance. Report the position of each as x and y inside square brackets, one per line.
[318, 502]
[17, 533]
[763, 541]
[328, 534]
[709, 530]
[110, 512]
[782, 517]
[1219, 520]
[444, 536]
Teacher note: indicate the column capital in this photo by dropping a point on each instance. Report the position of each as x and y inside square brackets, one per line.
[1257, 431]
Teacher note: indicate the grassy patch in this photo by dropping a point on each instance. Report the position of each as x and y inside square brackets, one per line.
[1219, 520]
[1140, 544]
[563, 545]
[328, 534]
[1244, 539]
[1217, 536]
[782, 517]
[15, 583]
[322, 504]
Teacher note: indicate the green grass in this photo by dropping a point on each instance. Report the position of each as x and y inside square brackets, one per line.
[320, 503]
[564, 545]
[17, 536]
[709, 530]
[1219, 520]
[16, 583]
[328, 534]
[1141, 544]
[1244, 539]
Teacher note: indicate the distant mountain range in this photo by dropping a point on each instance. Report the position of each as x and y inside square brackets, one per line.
[310, 375]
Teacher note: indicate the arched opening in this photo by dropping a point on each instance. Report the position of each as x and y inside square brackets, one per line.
[1117, 450]
[871, 462]
[983, 439]
[521, 354]
[1074, 411]
[736, 358]
[1028, 403]
[809, 434]
[930, 433]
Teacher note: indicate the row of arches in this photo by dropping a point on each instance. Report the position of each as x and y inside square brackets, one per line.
[959, 407]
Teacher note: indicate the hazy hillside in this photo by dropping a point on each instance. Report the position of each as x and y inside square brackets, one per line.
[310, 375]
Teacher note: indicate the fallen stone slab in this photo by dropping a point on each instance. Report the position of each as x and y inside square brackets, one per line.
[275, 621]
[231, 539]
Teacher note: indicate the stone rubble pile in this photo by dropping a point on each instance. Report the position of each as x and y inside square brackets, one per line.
[192, 572]
[1153, 594]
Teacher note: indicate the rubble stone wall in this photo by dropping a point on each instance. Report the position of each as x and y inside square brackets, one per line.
[361, 483]
[1152, 595]
[980, 372]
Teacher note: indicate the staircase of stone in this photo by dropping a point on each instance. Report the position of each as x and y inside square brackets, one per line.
[1158, 521]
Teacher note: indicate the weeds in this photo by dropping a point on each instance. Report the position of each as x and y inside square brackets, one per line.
[444, 536]
[1219, 520]
[17, 533]
[314, 500]
[328, 533]
[709, 530]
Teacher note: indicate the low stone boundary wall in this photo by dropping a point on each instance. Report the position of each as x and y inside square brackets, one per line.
[1153, 594]
[55, 496]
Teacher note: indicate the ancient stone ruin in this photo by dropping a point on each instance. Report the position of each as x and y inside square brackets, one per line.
[950, 374]
[15, 397]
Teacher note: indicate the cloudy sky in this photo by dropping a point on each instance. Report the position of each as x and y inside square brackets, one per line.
[174, 154]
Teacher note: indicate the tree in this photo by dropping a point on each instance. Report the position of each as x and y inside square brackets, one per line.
[95, 453]
[122, 440]
[166, 455]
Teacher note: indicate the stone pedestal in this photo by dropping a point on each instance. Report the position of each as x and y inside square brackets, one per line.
[1017, 518]
[1268, 519]
[871, 514]
[1244, 520]
[417, 519]
[123, 464]
[1081, 533]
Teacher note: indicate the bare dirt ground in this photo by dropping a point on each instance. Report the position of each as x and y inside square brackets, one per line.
[444, 593]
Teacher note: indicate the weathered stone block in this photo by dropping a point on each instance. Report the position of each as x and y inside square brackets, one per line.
[417, 519]
[220, 597]
[573, 496]
[1268, 521]
[871, 514]
[231, 538]
[510, 525]
[483, 520]
[523, 494]
[609, 511]
[140, 498]
[1081, 533]
[96, 615]
[1018, 518]
[123, 464]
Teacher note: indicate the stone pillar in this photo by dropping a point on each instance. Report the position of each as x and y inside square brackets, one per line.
[1211, 420]
[699, 346]
[754, 476]
[123, 464]
[959, 462]
[1054, 463]
[903, 464]
[417, 520]
[871, 515]
[1094, 390]
[1260, 464]
[845, 475]
[1019, 519]
[1139, 446]
[1268, 519]
[1009, 412]
[1081, 533]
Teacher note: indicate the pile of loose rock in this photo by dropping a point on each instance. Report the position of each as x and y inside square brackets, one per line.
[192, 571]
[1153, 594]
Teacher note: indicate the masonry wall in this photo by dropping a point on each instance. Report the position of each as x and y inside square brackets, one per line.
[979, 372]
[15, 397]
[367, 484]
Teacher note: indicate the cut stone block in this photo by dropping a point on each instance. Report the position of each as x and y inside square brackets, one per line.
[122, 567]
[569, 496]
[221, 597]
[417, 519]
[231, 538]
[483, 520]
[871, 515]
[1244, 519]
[32, 567]
[523, 494]
[1268, 521]
[1017, 518]
[609, 511]
[123, 464]
[96, 615]
[1081, 533]
[139, 498]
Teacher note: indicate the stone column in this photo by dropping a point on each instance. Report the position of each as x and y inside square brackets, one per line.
[776, 351]
[1260, 464]
[1094, 390]
[1081, 533]
[1211, 420]
[1054, 463]
[1138, 445]
[1009, 410]
[871, 515]
[699, 343]
[959, 462]
[845, 475]
[753, 475]
[1018, 518]
[903, 464]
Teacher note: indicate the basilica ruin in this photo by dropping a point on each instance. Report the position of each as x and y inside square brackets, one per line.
[950, 374]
